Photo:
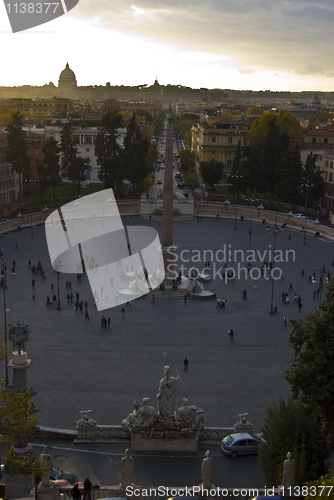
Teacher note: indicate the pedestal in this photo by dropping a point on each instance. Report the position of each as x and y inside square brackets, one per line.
[20, 364]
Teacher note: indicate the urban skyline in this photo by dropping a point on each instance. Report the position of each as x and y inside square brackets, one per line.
[240, 45]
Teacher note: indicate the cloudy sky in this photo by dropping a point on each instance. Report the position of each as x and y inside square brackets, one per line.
[239, 44]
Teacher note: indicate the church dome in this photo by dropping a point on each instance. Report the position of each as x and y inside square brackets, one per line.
[67, 78]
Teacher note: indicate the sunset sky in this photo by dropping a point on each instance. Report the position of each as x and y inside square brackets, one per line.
[229, 44]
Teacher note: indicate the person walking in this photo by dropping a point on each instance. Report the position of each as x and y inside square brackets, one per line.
[185, 298]
[29, 264]
[108, 322]
[285, 320]
[185, 364]
[76, 492]
[122, 311]
[52, 287]
[87, 489]
[230, 333]
[33, 286]
[153, 300]
[314, 294]
[86, 315]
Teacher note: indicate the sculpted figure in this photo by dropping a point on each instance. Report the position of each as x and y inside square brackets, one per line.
[145, 414]
[127, 470]
[46, 461]
[189, 416]
[288, 478]
[207, 470]
[167, 395]
[131, 420]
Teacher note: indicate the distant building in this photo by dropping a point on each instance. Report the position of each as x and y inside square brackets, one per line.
[219, 140]
[9, 179]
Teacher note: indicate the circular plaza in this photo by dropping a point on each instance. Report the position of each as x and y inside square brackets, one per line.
[79, 365]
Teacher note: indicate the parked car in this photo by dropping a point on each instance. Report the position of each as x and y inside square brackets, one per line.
[159, 181]
[57, 474]
[241, 443]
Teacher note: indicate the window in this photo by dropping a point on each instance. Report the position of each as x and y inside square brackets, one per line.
[314, 140]
[326, 164]
[229, 153]
[229, 165]
[326, 140]
[325, 176]
[36, 151]
[319, 157]
[331, 165]
[213, 153]
[87, 175]
[330, 178]
[213, 139]
[230, 140]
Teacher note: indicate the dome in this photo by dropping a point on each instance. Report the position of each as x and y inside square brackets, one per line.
[67, 78]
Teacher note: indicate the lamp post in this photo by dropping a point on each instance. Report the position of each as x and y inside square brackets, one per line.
[272, 272]
[307, 185]
[236, 176]
[5, 313]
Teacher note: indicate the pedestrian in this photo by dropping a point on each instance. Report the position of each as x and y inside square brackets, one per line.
[185, 298]
[68, 298]
[71, 297]
[290, 287]
[86, 316]
[122, 311]
[285, 319]
[29, 264]
[47, 300]
[16, 246]
[303, 273]
[128, 304]
[314, 294]
[185, 364]
[76, 492]
[108, 322]
[33, 284]
[86, 305]
[153, 300]
[287, 300]
[230, 333]
[52, 287]
[33, 295]
[159, 222]
[54, 298]
[300, 305]
[318, 292]
[219, 303]
[87, 489]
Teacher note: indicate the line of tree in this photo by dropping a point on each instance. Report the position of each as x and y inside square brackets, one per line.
[134, 162]
[271, 161]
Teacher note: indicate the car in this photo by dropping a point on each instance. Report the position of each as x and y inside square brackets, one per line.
[159, 181]
[162, 165]
[178, 175]
[299, 216]
[57, 474]
[241, 443]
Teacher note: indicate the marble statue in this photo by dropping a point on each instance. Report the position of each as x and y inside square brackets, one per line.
[127, 470]
[142, 417]
[189, 417]
[207, 470]
[288, 478]
[18, 335]
[167, 395]
[47, 462]
[85, 421]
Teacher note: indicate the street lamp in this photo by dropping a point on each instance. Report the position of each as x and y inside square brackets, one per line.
[272, 272]
[5, 313]
[236, 176]
[307, 185]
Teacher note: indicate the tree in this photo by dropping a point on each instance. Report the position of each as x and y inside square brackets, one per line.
[69, 154]
[134, 156]
[311, 372]
[323, 486]
[17, 149]
[289, 427]
[182, 126]
[51, 161]
[152, 156]
[190, 179]
[188, 138]
[290, 173]
[313, 179]
[254, 110]
[211, 172]
[285, 121]
[187, 160]
[271, 154]
[108, 152]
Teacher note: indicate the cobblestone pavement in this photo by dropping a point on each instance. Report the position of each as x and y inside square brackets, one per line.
[78, 365]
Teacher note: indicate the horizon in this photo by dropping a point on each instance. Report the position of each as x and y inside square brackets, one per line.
[239, 45]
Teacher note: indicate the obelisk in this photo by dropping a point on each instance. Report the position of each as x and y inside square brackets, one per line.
[167, 209]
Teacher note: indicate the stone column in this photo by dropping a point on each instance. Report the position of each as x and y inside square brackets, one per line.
[167, 214]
